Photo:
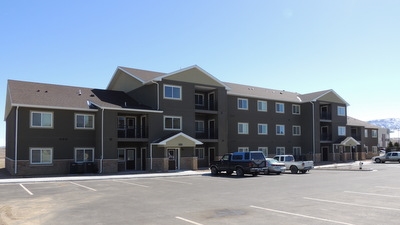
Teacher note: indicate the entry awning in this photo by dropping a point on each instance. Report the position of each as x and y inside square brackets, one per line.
[179, 140]
[349, 141]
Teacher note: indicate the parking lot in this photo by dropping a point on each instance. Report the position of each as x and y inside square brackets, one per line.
[318, 197]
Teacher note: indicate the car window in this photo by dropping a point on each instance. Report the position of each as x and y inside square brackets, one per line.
[237, 157]
[257, 156]
[394, 154]
[289, 158]
[226, 157]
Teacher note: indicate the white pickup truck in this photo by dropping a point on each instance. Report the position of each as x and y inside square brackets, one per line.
[295, 166]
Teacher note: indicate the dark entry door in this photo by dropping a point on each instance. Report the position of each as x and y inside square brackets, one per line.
[325, 154]
[130, 159]
[172, 159]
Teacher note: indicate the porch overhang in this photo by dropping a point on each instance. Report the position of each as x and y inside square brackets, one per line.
[179, 140]
[349, 141]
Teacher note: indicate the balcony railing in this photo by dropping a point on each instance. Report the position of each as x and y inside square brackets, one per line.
[125, 132]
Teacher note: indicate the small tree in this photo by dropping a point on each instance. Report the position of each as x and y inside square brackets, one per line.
[396, 144]
[390, 145]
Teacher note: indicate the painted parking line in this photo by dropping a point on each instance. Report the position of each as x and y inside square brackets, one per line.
[189, 221]
[385, 187]
[26, 189]
[352, 204]
[124, 182]
[83, 186]
[173, 181]
[300, 215]
[374, 194]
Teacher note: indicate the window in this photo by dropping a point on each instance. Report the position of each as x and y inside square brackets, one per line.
[280, 150]
[374, 149]
[296, 130]
[41, 155]
[296, 151]
[84, 121]
[280, 129]
[199, 99]
[199, 153]
[172, 92]
[366, 149]
[243, 128]
[199, 126]
[121, 155]
[279, 107]
[262, 128]
[264, 150]
[243, 149]
[296, 109]
[242, 103]
[262, 106]
[84, 155]
[374, 133]
[366, 133]
[341, 111]
[172, 123]
[42, 119]
[341, 131]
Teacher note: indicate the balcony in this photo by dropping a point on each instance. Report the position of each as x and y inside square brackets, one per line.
[132, 133]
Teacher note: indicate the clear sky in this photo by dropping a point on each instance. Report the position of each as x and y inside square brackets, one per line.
[350, 46]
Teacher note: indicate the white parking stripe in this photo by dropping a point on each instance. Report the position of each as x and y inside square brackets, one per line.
[173, 181]
[352, 204]
[300, 215]
[119, 181]
[394, 188]
[374, 194]
[189, 221]
[83, 186]
[26, 189]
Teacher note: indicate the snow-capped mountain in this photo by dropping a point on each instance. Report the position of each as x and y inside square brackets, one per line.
[390, 123]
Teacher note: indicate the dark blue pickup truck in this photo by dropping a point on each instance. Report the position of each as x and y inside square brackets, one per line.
[252, 162]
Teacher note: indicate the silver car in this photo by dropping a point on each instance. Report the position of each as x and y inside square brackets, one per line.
[388, 156]
[273, 166]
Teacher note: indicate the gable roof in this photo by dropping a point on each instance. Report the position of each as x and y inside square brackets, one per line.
[326, 95]
[52, 96]
[359, 123]
[179, 140]
[127, 79]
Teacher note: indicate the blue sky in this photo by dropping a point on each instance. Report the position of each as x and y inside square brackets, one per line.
[350, 46]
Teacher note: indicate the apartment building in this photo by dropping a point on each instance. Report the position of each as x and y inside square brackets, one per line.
[151, 121]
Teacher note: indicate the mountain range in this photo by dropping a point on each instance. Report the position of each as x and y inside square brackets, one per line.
[390, 123]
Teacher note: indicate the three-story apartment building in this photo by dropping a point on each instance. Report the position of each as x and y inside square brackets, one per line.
[155, 121]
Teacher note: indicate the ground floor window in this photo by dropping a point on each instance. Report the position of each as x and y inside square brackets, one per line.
[41, 155]
[199, 153]
[84, 155]
[243, 149]
[280, 150]
[264, 150]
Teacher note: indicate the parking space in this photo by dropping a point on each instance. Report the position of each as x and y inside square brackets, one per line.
[319, 197]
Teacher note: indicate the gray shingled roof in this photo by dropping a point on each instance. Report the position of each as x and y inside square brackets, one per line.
[143, 75]
[32, 94]
[359, 123]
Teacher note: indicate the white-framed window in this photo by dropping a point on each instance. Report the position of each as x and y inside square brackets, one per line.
[121, 155]
[172, 123]
[374, 149]
[264, 150]
[41, 156]
[280, 150]
[199, 153]
[279, 107]
[280, 129]
[84, 121]
[341, 131]
[296, 109]
[199, 99]
[243, 128]
[366, 133]
[199, 126]
[41, 119]
[296, 151]
[341, 111]
[296, 130]
[374, 133]
[262, 106]
[243, 103]
[84, 155]
[243, 149]
[262, 128]
[366, 149]
[172, 92]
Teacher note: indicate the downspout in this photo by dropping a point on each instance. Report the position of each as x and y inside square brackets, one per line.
[313, 129]
[102, 141]
[16, 142]
[158, 94]
[151, 156]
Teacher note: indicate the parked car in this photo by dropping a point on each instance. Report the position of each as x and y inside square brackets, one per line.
[389, 156]
[295, 166]
[273, 166]
[252, 162]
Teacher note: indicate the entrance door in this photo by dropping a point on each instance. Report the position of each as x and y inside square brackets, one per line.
[172, 159]
[130, 159]
[211, 101]
[143, 158]
[211, 129]
[211, 155]
[325, 152]
[130, 127]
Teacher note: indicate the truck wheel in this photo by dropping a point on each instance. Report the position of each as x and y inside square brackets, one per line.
[294, 169]
[378, 160]
[239, 172]
[229, 173]
[304, 171]
[214, 171]
[255, 174]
